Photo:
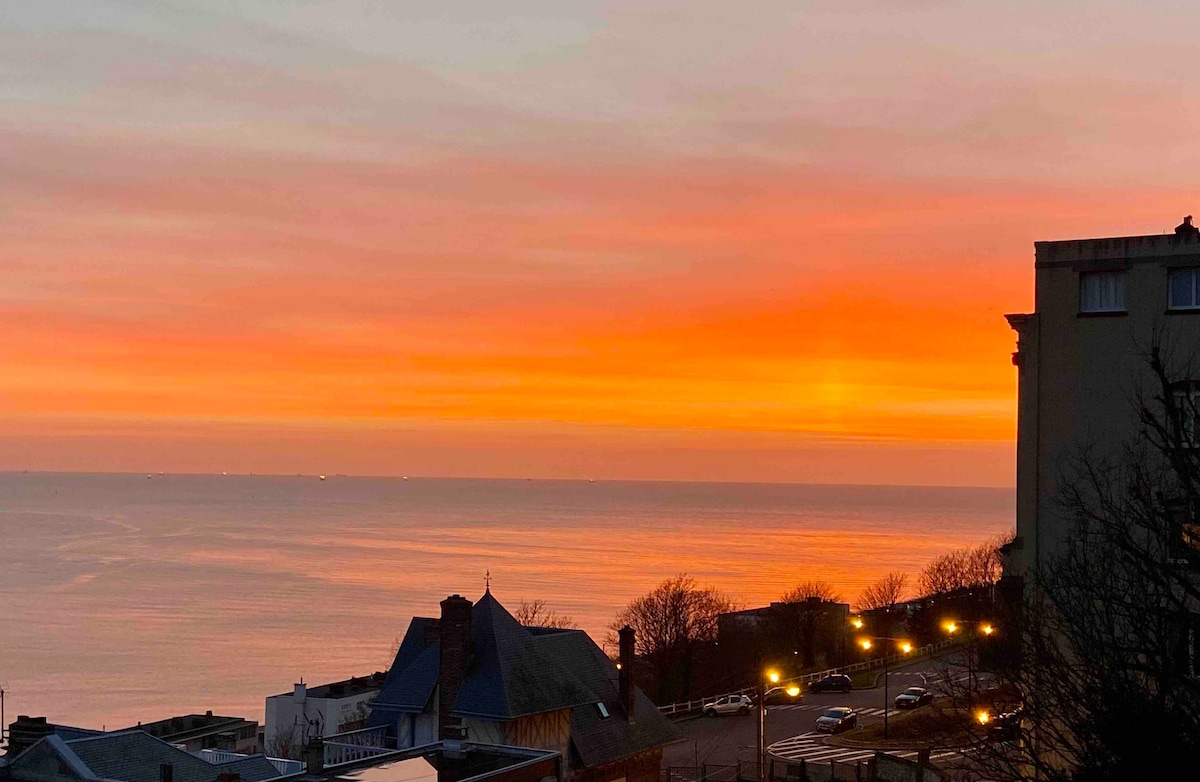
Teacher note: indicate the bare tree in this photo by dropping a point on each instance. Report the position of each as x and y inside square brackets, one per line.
[964, 568]
[1104, 654]
[799, 615]
[669, 622]
[284, 744]
[536, 613]
[884, 593]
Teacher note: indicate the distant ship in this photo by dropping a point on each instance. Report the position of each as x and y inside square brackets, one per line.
[322, 477]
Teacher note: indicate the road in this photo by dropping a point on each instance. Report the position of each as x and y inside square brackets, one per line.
[729, 739]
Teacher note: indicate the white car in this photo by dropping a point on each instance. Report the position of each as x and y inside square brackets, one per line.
[730, 704]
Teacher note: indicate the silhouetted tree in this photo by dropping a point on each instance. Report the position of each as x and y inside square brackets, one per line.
[536, 613]
[670, 622]
[799, 615]
[1104, 638]
[884, 593]
[964, 568]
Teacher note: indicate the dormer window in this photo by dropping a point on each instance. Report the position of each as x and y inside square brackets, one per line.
[1183, 289]
[1102, 291]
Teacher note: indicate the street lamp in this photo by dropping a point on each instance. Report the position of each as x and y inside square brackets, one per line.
[905, 647]
[952, 626]
[857, 623]
[769, 677]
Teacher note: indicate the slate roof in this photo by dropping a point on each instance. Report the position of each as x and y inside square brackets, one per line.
[598, 739]
[511, 673]
[136, 756]
[515, 671]
[411, 678]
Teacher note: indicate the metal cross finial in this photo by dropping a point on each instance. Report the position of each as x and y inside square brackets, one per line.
[487, 581]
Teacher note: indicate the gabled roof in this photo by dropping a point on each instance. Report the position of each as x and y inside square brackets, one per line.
[599, 739]
[136, 756]
[413, 674]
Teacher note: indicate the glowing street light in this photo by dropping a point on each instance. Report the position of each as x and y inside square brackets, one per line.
[857, 622]
[983, 717]
[768, 677]
[905, 647]
[951, 626]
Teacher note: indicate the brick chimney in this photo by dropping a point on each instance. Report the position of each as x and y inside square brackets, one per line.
[455, 631]
[625, 678]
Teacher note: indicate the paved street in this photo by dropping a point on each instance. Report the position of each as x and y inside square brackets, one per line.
[729, 739]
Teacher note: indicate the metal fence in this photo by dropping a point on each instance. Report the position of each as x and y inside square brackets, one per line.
[689, 706]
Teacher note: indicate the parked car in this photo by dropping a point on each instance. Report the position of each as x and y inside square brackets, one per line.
[777, 695]
[729, 704]
[838, 682]
[913, 697]
[836, 720]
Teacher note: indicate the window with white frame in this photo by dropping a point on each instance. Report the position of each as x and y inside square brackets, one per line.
[1102, 291]
[1183, 289]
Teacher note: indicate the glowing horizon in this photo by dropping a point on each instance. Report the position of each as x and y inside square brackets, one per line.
[620, 240]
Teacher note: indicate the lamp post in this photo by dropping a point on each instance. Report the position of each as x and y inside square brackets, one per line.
[905, 647]
[952, 626]
[857, 623]
[769, 677]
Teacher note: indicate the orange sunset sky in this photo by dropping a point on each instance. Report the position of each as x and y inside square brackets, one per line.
[655, 240]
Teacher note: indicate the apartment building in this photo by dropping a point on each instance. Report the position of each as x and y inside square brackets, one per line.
[1100, 304]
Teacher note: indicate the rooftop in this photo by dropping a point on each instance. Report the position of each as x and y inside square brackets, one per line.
[189, 726]
[355, 685]
[1130, 248]
[131, 756]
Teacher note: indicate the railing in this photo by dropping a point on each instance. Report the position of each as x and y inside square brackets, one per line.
[358, 745]
[282, 765]
[687, 706]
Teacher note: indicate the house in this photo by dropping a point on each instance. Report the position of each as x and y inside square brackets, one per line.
[1081, 355]
[126, 756]
[194, 732]
[476, 674]
[293, 718]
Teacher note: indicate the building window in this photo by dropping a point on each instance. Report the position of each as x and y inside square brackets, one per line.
[1183, 287]
[1187, 403]
[1102, 292]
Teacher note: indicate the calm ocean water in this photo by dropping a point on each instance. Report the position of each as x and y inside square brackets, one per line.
[127, 598]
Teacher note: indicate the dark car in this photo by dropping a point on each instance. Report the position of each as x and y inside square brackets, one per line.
[838, 682]
[779, 695]
[836, 720]
[913, 697]
[1006, 726]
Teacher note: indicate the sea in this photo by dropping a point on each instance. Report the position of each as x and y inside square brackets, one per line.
[127, 598]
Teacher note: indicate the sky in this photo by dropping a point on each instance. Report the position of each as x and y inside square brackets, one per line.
[648, 240]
